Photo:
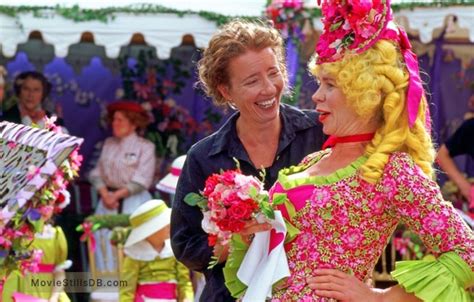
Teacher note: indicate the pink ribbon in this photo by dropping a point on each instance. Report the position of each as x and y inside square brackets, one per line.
[415, 88]
[45, 268]
[88, 234]
[175, 171]
[275, 239]
[162, 290]
[19, 297]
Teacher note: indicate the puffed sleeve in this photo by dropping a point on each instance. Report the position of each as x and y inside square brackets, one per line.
[418, 202]
[146, 164]
[61, 249]
[185, 286]
[129, 274]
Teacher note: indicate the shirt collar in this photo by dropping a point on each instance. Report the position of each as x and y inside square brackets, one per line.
[293, 120]
[144, 251]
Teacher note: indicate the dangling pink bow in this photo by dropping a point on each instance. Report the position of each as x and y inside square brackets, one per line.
[88, 234]
[415, 87]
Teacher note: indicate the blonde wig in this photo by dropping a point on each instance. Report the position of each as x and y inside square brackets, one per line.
[375, 84]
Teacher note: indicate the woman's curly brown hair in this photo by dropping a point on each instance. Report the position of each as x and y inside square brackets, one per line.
[233, 39]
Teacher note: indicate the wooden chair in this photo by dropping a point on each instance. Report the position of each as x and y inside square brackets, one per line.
[104, 294]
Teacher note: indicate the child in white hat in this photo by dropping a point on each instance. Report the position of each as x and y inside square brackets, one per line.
[150, 269]
[168, 185]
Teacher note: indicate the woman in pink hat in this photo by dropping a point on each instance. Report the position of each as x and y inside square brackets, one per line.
[126, 166]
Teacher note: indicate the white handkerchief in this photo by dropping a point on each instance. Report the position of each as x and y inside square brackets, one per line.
[265, 262]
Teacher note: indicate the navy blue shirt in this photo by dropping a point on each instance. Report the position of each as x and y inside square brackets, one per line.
[300, 136]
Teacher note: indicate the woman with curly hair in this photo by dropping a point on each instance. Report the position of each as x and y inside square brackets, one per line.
[242, 68]
[376, 171]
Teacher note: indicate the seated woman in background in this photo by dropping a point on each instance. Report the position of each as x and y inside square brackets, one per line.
[32, 88]
[126, 165]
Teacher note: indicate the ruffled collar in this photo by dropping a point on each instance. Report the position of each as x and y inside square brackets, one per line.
[286, 179]
[144, 251]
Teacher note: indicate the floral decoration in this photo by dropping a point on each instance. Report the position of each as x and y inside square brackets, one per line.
[152, 83]
[288, 17]
[350, 25]
[17, 232]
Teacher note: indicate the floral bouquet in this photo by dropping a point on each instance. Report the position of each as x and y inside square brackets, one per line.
[36, 166]
[229, 200]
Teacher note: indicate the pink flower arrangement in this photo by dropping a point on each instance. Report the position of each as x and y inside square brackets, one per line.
[350, 25]
[230, 200]
[288, 16]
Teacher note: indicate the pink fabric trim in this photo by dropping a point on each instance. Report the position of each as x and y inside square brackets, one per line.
[415, 88]
[275, 240]
[19, 297]
[45, 268]
[162, 290]
[175, 171]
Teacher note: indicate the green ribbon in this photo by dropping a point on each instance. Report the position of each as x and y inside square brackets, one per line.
[291, 230]
[238, 249]
[144, 217]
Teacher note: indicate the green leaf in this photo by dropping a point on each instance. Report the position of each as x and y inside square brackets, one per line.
[193, 199]
[268, 213]
[203, 204]
[279, 199]
[96, 226]
[214, 261]
[336, 25]
[253, 192]
[37, 225]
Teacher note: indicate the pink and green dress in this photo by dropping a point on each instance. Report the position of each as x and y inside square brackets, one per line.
[341, 221]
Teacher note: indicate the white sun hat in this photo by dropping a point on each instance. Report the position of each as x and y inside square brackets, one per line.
[146, 220]
[169, 182]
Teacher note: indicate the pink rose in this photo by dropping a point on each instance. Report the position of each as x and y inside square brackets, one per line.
[227, 177]
[240, 211]
[211, 182]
